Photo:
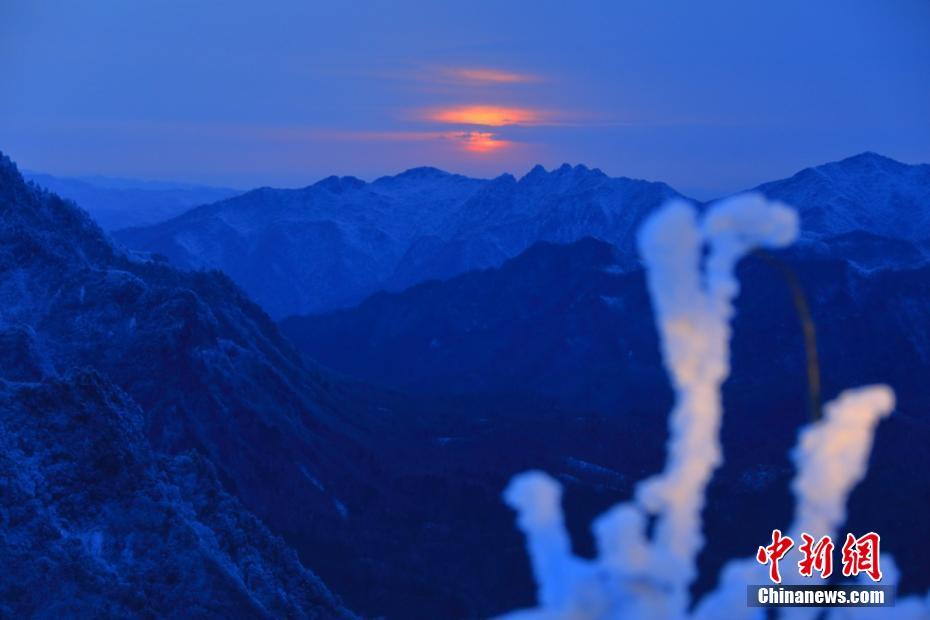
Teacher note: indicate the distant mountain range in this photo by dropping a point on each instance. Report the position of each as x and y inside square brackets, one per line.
[158, 431]
[157, 435]
[119, 203]
[867, 193]
[333, 243]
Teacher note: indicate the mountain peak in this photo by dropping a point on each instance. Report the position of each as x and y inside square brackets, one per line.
[339, 185]
[869, 157]
[413, 175]
[578, 170]
[422, 172]
[8, 169]
[537, 171]
[865, 163]
[854, 166]
[425, 171]
[566, 170]
[867, 160]
[866, 192]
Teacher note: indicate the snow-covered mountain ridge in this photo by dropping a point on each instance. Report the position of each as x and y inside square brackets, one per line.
[333, 243]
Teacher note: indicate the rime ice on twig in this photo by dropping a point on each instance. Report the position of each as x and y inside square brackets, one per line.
[831, 457]
[693, 308]
[635, 577]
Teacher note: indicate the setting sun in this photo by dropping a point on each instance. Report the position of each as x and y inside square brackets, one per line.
[481, 141]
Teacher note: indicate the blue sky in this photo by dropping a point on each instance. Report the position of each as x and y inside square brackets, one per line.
[711, 97]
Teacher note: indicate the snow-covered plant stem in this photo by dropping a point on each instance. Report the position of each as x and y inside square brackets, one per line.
[690, 264]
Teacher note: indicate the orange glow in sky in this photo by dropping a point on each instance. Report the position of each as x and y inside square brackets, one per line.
[480, 141]
[487, 115]
[478, 74]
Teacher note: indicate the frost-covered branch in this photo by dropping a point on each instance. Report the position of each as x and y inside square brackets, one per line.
[691, 277]
[693, 309]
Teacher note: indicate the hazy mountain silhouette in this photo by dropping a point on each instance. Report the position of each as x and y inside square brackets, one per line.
[333, 243]
[119, 203]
